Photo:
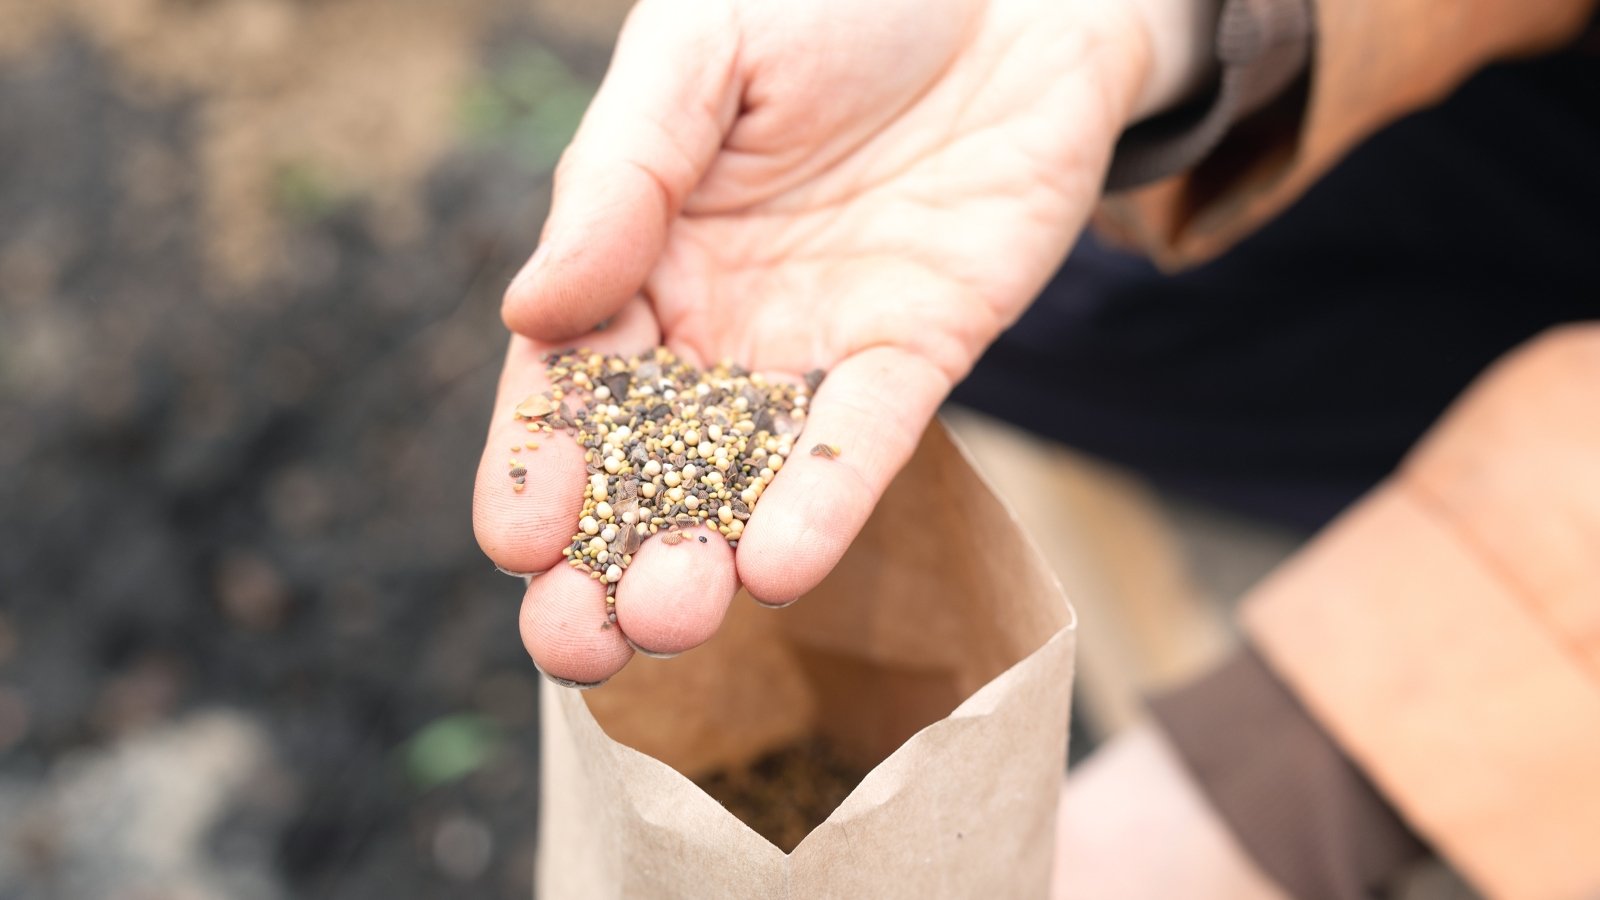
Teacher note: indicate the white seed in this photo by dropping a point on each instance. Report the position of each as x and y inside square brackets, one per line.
[689, 472]
[608, 533]
[713, 477]
[612, 465]
[678, 446]
[691, 501]
[647, 489]
[630, 517]
[672, 479]
[725, 513]
[602, 393]
[613, 573]
[800, 401]
[714, 433]
[588, 525]
[706, 448]
[735, 528]
[692, 436]
[602, 510]
[675, 495]
[775, 462]
[602, 557]
[597, 544]
[740, 404]
[749, 495]
[652, 468]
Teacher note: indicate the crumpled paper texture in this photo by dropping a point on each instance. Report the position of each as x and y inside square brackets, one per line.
[940, 650]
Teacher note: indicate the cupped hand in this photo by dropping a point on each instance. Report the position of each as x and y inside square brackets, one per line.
[873, 189]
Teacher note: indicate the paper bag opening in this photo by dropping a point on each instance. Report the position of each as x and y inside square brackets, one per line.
[937, 655]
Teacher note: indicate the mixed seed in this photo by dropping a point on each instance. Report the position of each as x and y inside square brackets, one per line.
[668, 447]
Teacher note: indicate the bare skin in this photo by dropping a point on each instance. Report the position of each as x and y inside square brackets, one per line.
[872, 189]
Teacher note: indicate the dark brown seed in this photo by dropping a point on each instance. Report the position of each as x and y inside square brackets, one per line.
[519, 480]
[764, 420]
[605, 626]
[671, 537]
[702, 539]
[617, 383]
[518, 472]
[740, 510]
[826, 451]
[814, 379]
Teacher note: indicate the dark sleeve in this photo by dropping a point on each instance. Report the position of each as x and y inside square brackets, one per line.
[1263, 50]
[1302, 811]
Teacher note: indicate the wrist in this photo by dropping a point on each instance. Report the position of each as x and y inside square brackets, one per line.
[1179, 38]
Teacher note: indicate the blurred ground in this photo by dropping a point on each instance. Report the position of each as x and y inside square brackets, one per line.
[251, 254]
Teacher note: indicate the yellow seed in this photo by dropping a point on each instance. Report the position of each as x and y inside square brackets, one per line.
[518, 487]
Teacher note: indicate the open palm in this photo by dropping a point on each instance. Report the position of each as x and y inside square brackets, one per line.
[871, 189]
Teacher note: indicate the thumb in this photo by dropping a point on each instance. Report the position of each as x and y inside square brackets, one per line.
[669, 97]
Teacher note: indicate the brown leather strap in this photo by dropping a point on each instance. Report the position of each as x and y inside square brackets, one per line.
[1263, 47]
[1299, 808]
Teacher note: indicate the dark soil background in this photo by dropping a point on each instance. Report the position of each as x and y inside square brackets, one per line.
[251, 255]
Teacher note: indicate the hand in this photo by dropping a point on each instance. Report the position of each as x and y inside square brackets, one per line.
[873, 189]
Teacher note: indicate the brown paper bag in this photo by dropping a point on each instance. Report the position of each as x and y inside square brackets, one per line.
[939, 651]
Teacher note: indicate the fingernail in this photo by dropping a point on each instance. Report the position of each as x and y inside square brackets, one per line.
[783, 605]
[650, 653]
[525, 576]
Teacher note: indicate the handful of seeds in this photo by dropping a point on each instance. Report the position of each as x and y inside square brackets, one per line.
[668, 447]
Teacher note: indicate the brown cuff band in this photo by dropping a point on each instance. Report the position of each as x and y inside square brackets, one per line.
[1298, 807]
[1263, 46]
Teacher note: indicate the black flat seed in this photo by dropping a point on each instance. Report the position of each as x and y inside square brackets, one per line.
[702, 539]
[518, 472]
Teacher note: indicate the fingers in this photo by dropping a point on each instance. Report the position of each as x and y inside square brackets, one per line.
[873, 407]
[653, 129]
[564, 628]
[674, 596]
[524, 531]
